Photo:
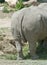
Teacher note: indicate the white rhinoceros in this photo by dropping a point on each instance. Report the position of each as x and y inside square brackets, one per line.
[29, 24]
[43, 6]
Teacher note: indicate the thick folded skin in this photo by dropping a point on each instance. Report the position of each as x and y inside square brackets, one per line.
[29, 24]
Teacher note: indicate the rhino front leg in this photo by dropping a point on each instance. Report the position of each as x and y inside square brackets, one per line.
[19, 50]
[32, 48]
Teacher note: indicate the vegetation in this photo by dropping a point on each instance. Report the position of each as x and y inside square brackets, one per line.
[1, 1]
[41, 51]
[25, 0]
[40, 1]
[7, 8]
[42, 55]
[19, 5]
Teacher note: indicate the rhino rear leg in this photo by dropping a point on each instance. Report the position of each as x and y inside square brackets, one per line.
[19, 50]
[32, 48]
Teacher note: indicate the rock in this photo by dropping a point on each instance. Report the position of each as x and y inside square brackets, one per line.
[5, 45]
[33, 2]
[1, 8]
[11, 3]
[1, 53]
[8, 48]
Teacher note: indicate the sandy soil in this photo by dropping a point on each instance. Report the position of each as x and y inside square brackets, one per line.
[23, 62]
[6, 22]
[5, 19]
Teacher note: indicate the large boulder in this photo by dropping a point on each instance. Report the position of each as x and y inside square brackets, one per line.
[1, 53]
[5, 45]
[5, 37]
[30, 2]
[11, 3]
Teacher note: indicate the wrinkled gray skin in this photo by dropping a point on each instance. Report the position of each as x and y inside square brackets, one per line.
[29, 24]
[43, 6]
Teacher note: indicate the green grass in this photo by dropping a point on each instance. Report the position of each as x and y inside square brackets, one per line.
[42, 56]
[7, 9]
[13, 56]
[8, 56]
[41, 51]
[19, 5]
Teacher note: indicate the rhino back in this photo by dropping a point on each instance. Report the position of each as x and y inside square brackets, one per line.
[33, 23]
[43, 12]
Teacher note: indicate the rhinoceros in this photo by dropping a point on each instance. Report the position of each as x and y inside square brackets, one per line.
[29, 24]
[43, 6]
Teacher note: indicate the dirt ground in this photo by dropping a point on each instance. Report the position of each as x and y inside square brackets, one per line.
[23, 62]
[5, 22]
[5, 19]
[5, 29]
